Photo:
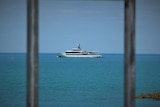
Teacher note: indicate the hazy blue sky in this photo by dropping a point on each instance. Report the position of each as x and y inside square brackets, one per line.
[96, 25]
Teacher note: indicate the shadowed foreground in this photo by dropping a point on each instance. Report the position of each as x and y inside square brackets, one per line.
[151, 95]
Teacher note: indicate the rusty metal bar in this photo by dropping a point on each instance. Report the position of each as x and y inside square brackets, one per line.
[129, 54]
[32, 53]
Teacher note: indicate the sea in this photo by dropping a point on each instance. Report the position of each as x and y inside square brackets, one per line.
[78, 82]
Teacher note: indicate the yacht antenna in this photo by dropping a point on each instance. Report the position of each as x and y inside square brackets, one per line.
[79, 46]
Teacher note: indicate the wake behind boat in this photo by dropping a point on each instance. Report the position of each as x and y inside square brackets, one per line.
[78, 52]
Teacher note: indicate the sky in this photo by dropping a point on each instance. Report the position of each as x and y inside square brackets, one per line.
[96, 25]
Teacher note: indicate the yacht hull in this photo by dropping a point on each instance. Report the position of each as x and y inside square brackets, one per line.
[79, 56]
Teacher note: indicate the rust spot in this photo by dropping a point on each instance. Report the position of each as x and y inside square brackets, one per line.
[132, 53]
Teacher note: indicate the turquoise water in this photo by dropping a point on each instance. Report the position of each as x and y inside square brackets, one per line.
[77, 82]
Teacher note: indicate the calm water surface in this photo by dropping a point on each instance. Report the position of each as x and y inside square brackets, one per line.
[77, 82]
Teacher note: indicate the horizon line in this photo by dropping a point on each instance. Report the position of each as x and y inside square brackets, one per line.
[59, 52]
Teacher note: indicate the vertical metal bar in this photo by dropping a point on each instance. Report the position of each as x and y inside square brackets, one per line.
[32, 53]
[129, 50]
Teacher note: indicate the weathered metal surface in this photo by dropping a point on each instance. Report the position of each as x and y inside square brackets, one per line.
[129, 54]
[32, 53]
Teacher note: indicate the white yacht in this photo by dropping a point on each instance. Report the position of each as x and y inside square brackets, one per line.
[78, 52]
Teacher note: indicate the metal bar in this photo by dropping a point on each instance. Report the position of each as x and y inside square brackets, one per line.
[129, 52]
[32, 53]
